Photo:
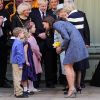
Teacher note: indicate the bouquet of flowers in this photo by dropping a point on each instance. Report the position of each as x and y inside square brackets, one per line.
[57, 40]
[57, 44]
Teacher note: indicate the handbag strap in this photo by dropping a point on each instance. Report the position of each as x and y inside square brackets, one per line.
[20, 21]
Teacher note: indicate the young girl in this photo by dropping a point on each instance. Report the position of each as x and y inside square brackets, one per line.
[36, 53]
[29, 74]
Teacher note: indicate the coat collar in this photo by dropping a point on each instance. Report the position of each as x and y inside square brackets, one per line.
[73, 11]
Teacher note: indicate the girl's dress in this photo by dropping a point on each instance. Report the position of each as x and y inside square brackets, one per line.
[29, 71]
[36, 54]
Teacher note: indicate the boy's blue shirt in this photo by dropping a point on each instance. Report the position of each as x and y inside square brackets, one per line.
[17, 53]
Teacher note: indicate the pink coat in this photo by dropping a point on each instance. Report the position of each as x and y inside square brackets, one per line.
[36, 54]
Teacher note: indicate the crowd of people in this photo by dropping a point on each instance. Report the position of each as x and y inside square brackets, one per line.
[41, 38]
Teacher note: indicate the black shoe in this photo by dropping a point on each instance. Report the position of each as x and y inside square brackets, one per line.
[25, 94]
[21, 96]
[82, 85]
[79, 90]
[31, 93]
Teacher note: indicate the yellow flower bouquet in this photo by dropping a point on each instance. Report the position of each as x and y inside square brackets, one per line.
[57, 44]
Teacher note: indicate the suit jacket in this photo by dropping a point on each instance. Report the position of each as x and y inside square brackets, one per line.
[36, 18]
[52, 13]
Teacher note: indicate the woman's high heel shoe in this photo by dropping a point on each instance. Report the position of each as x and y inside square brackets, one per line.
[72, 95]
[79, 90]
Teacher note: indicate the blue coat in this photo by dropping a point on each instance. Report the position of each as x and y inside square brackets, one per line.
[73, 42]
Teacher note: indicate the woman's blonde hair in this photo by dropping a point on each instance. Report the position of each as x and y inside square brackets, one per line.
[22, 7]
[69, 6]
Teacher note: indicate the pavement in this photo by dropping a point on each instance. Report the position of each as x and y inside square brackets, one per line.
[90, 92]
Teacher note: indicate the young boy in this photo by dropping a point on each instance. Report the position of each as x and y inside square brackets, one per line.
[17, 60]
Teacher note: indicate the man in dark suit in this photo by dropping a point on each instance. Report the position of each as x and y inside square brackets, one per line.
[37, 16]
[5, 26]
[45, 42]
[40, 35]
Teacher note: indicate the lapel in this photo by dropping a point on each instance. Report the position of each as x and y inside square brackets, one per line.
[39, 13]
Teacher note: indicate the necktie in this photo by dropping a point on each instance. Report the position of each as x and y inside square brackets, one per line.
[43, 15]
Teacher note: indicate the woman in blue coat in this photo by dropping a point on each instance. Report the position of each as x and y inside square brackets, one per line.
[73, 45]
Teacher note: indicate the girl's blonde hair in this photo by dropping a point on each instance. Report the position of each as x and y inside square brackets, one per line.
[22, 7]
